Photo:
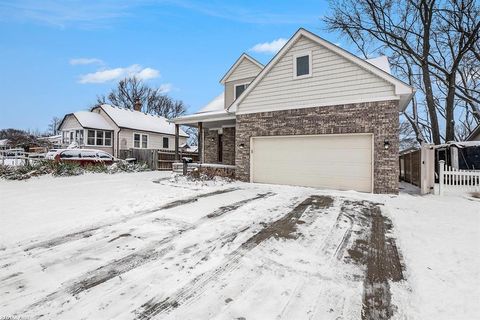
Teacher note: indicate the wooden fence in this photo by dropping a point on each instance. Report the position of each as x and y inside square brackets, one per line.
[451, 179]
[156, 159]
[410, 167]
[166, 158]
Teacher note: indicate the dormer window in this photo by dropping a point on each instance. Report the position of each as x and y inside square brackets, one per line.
[238, 90]
[302, 65]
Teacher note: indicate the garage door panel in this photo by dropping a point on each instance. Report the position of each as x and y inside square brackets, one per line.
[330, 161]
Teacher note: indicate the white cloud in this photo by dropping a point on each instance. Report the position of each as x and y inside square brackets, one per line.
[107, 75]
[269, 47]
[83, 61]
[166, 87]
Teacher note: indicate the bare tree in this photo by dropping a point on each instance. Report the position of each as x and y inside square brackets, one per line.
[154, 100]
[407, 136]
[53, 126]
[429, 42]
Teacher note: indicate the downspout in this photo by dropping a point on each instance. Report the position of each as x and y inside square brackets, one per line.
[118, 142]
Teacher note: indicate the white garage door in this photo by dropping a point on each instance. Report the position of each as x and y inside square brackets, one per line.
[341, 161]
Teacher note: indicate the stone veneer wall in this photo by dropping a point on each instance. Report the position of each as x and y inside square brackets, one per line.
[210, 143]
[211, 146]
[229, 146]
[380, 118]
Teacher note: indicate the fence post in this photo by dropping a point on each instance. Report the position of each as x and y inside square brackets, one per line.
[441, 176]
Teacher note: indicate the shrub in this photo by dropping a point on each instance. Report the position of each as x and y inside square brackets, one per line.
[210, 173]
[60, 169]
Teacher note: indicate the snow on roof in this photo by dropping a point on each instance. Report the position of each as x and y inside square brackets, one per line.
[4, 142]
[131, 119]
[381, 63]
[216, 104]
[92, 120]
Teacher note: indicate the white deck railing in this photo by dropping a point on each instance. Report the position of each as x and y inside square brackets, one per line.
[451, 179]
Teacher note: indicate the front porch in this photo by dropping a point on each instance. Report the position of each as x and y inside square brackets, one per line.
[216, 137]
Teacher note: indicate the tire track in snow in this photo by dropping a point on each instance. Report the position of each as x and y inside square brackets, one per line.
[332, 250]
[89, 231]
[134, 260]
[284, 227]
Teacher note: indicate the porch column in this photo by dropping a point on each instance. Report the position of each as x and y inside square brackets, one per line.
[200, 142]
[177, 133]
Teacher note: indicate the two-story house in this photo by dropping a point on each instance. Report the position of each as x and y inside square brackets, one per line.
[315, 115]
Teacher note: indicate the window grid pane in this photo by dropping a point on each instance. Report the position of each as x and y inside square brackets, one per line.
[239, 90]
[99, 138]
[144, 141]
[303, 66]
[136, 140]
[91, 137]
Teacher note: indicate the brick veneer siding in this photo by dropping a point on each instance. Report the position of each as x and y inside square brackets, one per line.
[211, 146]
[380, 118]
[229, 146]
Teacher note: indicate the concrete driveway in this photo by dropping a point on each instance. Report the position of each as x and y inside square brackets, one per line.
[223, 251]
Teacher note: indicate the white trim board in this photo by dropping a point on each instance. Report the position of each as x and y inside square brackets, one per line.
[238, 85]
[310, 67]
[237, 63]
[327, 104]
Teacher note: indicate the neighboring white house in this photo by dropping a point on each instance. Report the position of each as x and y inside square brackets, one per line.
[111, 129]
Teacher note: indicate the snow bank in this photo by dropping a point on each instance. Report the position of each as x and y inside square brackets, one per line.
[439, 238]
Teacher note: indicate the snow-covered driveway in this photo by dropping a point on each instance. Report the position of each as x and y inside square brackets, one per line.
[138, 246]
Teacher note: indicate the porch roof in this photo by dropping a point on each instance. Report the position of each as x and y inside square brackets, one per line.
[213, 114]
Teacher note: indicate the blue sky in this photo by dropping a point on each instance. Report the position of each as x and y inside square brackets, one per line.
[57, 56]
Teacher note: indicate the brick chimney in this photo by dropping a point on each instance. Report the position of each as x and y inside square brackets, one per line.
[137, 106]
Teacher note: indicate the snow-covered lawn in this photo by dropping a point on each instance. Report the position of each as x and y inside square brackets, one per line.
[141, 246]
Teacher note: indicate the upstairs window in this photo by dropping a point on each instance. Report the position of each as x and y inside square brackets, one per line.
[165, 143]
[239, 88]
[302, 65]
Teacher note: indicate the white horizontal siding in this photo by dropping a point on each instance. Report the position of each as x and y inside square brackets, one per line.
[246, 69]
[334, 80]
[155, 140]
[70, 123]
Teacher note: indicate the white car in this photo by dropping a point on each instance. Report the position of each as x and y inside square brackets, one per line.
[83, 156]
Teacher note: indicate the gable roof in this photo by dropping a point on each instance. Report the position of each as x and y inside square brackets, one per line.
[237, 63]
[89, 119]
[402, 89]
[136, 120]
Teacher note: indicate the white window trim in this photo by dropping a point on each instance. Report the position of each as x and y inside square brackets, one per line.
[141, 134]
[85, 138]
[238, 85]
[310, 66]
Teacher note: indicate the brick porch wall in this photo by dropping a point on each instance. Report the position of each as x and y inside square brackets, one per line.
[380, 118]
[229, 146]
[211, 146]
